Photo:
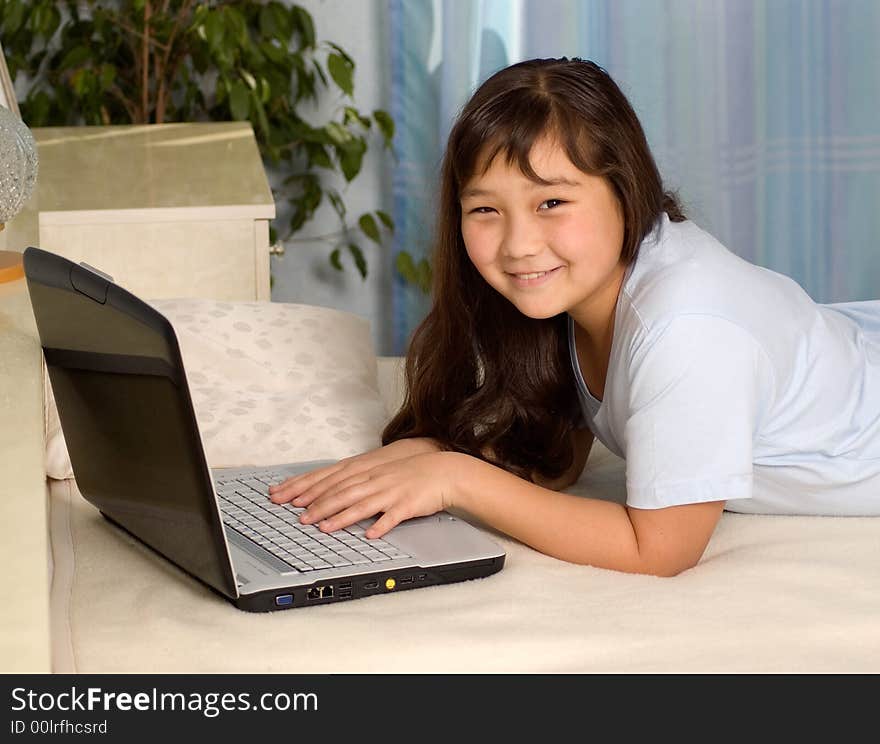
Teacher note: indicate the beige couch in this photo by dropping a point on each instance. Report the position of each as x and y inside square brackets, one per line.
[771, 594]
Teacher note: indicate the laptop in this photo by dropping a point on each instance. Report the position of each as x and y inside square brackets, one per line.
[125, 409]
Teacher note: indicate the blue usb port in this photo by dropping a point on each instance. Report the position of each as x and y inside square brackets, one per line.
[284, 600]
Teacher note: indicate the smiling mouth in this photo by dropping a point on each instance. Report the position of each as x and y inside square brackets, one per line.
[534, 274]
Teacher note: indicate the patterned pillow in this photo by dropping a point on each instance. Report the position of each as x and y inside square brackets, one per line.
[271, 383]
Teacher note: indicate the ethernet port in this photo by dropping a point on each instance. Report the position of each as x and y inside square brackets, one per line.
[326, 591]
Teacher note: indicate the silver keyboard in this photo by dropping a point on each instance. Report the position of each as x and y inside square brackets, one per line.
[246, 509]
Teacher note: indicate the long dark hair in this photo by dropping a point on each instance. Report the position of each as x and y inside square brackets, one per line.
[481, 377]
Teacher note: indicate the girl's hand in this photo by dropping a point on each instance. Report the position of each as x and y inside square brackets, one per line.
[404, 487]
[305, 488]
[317, 481]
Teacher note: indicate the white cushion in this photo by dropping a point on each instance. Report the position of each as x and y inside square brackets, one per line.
[271, 383]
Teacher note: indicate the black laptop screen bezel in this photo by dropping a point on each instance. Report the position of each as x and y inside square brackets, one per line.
[126, 411]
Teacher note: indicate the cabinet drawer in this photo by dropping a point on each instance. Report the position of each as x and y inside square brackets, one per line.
[219, 259]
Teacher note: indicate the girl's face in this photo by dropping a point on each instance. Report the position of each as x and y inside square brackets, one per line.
[570, 232]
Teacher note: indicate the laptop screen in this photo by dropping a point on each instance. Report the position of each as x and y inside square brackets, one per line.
[126, 413]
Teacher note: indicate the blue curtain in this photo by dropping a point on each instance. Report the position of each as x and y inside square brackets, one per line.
[763, 114]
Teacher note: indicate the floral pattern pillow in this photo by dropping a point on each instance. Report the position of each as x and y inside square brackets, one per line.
[271, 383]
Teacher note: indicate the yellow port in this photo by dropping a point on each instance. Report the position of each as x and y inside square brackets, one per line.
[390, 584]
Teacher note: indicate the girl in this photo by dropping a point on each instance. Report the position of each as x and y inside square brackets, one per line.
[573, 299]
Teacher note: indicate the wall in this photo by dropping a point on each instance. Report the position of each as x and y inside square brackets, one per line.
[304, 274]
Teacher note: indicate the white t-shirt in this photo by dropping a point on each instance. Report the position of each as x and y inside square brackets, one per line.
[727, 382]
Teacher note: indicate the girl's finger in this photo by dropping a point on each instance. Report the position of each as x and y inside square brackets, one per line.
[383, 525]
[289, 488]
[362, 509]
[330, 486]
[300, 484]
[335, 482]
[335, 502]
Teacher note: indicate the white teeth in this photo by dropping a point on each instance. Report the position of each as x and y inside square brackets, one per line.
[531, 276]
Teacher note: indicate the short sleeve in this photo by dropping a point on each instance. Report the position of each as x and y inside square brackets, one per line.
[693, 404]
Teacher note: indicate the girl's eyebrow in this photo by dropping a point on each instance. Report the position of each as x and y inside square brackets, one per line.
[557, 181]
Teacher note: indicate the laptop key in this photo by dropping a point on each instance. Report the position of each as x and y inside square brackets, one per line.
[277, 529]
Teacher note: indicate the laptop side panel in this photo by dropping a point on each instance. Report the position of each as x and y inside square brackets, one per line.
[127, 416]
[378, 581]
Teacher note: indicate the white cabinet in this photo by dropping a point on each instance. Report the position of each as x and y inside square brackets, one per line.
[169, 210]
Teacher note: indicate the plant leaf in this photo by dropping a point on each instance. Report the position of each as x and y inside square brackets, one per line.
[13, 19]
[263, 122]
[334, 260]
[404, 264]
[305, 25]
[339, 135]
[52, 24]
[249, 79]
[214, 30]
[351, 157]
[353, 115]
[342, 73]
[268, 22]
[75, 57]
[108, 75]
[359, 259]
[274, 53]
[368, 225]
[386, 219]
[338, 204]
[239, 100]
[342, 53]
[318, 155]
[386, 125]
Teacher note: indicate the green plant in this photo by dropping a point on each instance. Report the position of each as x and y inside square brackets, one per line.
[137, 61]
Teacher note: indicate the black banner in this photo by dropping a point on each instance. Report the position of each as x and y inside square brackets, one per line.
[413, 707]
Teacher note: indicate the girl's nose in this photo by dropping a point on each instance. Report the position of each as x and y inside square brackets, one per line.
[521, 239]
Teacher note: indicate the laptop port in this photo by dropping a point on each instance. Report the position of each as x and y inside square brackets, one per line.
[371, 585]
[344, 593]
[345, 585]
[284, 600]
[422, 577]
[326, 591]
[314, 593]
[406, 580]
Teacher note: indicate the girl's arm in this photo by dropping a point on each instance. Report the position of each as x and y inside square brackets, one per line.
[576, 529]
[600, 533]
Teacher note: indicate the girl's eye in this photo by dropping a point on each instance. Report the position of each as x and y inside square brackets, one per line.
[481, 210]
[551, 203]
